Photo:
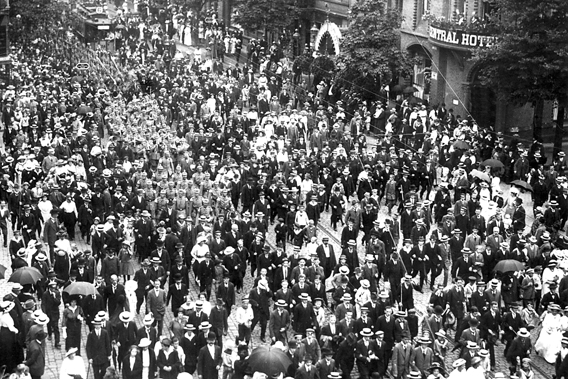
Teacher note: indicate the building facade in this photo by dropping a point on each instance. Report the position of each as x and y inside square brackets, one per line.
[444, 34]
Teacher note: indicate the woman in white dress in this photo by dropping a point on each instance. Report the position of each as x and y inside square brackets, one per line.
[187, 35]
[72, 366]
[549, 341]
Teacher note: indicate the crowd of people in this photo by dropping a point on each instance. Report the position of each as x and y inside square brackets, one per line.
[198, 188]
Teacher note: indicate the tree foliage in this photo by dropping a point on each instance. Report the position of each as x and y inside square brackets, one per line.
[323, 66]
[528, 63]
[30, 19]
[370, 51]
[274, 15]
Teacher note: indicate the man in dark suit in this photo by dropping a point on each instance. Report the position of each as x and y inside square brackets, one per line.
[35, 358]
[520, 348]
[98, 350]
[144, 228]
[363, 322]
[385, 323]
[143, 278]
[326, 254]
[259, 298]
[156, 303]
[112, 293]
[512, 322]
[279, 323]
[206, 275]
[147, 331]
[489, 329]
[50, 232]
[365, 354]
[304, 315]
[124, 335]
[219, 321]
[176, 293]
[226, 292]
[209, 359]
[307, 370]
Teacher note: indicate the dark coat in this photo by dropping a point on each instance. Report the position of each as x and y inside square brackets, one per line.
[134, 372]
[206, 364]
[35, 358]
[98, 348]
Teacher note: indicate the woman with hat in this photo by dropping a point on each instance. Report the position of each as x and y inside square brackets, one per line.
[127, 263]
[73, 366]
[549, 341]
[11, 353]
[436, 371]
[168, 361]
[71, 323]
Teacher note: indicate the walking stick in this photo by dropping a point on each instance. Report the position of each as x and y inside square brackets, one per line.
[88, 370]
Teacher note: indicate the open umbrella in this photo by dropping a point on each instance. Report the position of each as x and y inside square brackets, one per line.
[462, 145]
[481, 175]
[81, 288]
[397, 88]
[270, 361]
[522, 184]
[409, 89]
[495, 163]
[26, 275]
[509, 265]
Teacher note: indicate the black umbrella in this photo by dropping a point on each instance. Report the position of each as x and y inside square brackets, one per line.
[509, 265]
[522, 184]
[397, 88]
[495, 163]
[409, 89]
[270, 361]
[26, 275]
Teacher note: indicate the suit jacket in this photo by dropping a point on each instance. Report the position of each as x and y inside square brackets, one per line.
[420, 360]
[401, 330]
[111, 297]
[206, 364]
[227, 294]
[277, 322]
[126, 335]
[143, 280]
[489, 323]
[156, 303]
[388, 328]
[35, 358]
[152, 336]
[401, 358]
[325, 368]
[98, 348]
[132, 372]
[176, 296]
[521, 347]
[302, 373]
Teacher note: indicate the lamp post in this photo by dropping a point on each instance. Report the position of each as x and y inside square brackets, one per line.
[296, 43]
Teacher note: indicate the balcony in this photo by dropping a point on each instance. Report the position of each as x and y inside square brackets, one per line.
[460, 35]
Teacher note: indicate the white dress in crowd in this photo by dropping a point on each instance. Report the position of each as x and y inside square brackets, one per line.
[187, 36]
[549, 341]
[475, 373]
[71, 367]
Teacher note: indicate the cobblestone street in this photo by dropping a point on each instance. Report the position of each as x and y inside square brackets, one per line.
[55, 356]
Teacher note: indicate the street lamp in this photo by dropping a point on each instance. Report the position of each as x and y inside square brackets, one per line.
[296, 43]
[313, 33]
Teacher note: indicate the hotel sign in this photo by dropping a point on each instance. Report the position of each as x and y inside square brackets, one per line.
[460, 38]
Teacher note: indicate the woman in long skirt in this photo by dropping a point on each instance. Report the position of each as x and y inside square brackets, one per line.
[71, 322]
